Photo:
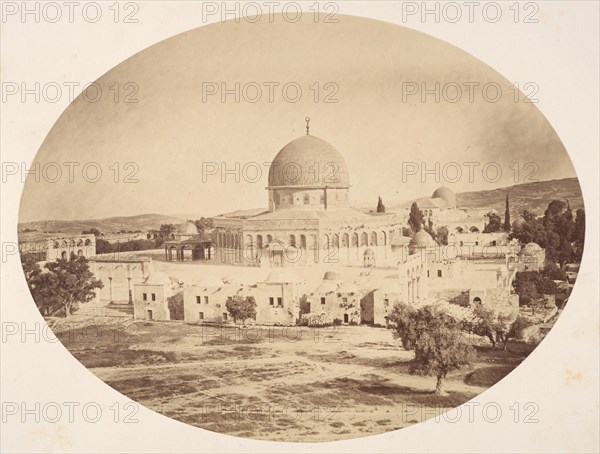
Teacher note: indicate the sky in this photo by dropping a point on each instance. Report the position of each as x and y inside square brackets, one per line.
[161, 143]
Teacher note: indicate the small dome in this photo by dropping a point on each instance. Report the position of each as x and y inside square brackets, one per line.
[369, 252]
[332, 276]
[281, 275]
[187, 228]
[209, 281]
[421, 239]
[157, 278]
[295, 165]
[445, 194]
[531, 249]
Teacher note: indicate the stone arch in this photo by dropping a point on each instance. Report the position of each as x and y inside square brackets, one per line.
[383, 237]
[355, 239]
[345, 240]
[326, 241]
[476, 300]
[335, 240]
[303, 241]
[63, 255]
[80, 253]
[292, 240]
[259, 241]
[269, 238]
[72, 255]
[364, 239]
[373, 238]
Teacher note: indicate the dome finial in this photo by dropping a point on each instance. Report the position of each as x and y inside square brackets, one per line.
[307, 119]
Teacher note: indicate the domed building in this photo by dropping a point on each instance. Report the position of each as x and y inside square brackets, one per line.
[186, 238]
[309, 218]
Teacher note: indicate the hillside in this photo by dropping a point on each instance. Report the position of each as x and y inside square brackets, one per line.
[143, 222]
[527, 196]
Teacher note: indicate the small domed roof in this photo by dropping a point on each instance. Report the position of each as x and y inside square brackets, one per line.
[281, 275]
[209, 281]
[157, 278]
[187, 228]
[296, 165]
[445, 194]
[421, 239]
[531, 249]
[369, 252]
[332, 276]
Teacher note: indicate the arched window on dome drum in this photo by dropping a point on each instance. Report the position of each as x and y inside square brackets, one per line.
[292, 240]
[364, 239]
[306, 199]
[259, 241]
[303, 241]
[345, 240]
[383, 238]
[355, 239]
[336, 241]
[374, 239]
[269, 238]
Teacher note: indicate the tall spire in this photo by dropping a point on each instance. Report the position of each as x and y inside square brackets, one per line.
[307, 119]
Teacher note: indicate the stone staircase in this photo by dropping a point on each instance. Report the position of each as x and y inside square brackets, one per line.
[105, 309]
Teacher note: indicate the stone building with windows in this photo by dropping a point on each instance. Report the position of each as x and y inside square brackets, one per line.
[334, 300]
[151, 297]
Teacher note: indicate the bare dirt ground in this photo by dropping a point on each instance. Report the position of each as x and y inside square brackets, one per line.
[288, 384]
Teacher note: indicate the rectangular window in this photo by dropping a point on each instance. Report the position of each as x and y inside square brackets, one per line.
[439, 273]
[322, 300]
[279, 301]
[145, 297]
[386, 301]
[200, 315]
[224, 315]
[271, 301]
[427, 273]
[198, 299]
[154, 297]
[206, 300]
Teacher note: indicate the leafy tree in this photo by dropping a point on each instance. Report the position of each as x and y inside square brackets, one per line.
[507, 216]
[437, 340]
[441, 235]
[67, 282]
[491, 324]
[415, 218]
[203, 224]
[166, 230]
[406, 231]
[32, 272]
[92, 231]
[380, 206]
[515, 331]
[240, 308]
[494, 223]
[103, 246]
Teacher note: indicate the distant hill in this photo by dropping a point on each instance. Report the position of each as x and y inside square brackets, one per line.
[526, 196]
[143, 222]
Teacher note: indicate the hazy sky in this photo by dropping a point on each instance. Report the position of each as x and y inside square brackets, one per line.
[172, 130]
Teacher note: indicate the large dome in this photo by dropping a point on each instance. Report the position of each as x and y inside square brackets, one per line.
[309, 161]
[445, 194]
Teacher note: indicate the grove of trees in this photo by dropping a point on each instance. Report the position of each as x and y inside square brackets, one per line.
[241, 308]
